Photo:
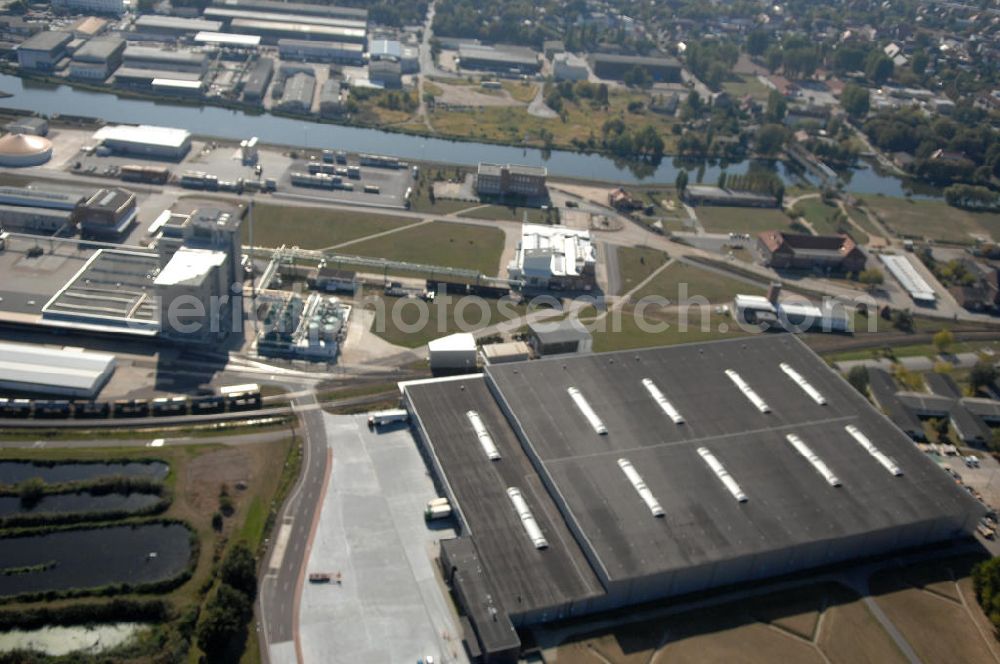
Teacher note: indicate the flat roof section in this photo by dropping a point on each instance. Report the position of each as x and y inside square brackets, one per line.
[789, 503]
[526, 578]
[59, 371]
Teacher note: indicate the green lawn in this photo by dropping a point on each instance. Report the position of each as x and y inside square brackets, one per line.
[861, 219]
[933, 220]
[510, 213]
[443, 243]
[400, 320]
[625, 332]
[741, 220]
[708, 284]
[637, 263]
[314, 228]
[823, 217]
[746, 84]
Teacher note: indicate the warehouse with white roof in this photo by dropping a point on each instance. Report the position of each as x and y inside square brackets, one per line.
[145, 140]
[906, 274]
[56, 371]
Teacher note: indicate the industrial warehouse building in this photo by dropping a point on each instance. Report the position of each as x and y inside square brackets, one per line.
[43, 51]
[148, 57]
[511, 180]
[321, 51]
[277, 7]
[590, 483]
[663, 69]
[96, 59]
[145, 140]
[554, 257]
[501, 59]
[66, 372]
[173, 26]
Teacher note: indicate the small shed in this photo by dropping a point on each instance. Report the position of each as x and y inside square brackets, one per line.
[454, 353]
[556, 338]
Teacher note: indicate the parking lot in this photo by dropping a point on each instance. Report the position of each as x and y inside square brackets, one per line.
[390, 605]
[391, 183]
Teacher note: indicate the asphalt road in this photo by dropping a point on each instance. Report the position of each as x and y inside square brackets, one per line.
[287, 550]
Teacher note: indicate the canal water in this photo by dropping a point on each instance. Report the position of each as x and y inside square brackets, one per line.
[90, 558]
[59, 641]
[79, 503]
[50, 99]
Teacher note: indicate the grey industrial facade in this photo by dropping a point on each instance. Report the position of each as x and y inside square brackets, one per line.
[605, 548]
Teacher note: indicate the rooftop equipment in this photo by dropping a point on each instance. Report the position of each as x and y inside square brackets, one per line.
[484, 436]
[636, 479]
[748, 391]
[722, 474]
[811, 457]
[527, 519]
[658, 397]
[804, 384]
[588, 412]
[881, 457]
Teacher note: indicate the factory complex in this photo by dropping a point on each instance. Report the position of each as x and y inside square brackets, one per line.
[593, 482]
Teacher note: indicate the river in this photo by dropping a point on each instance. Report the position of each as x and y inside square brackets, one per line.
[226, 123]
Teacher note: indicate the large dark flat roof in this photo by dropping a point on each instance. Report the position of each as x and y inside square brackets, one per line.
[789, 503]
[526, 578]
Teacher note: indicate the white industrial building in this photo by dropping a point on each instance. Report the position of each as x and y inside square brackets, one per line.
[145, 140]
[64, 372]
[569, 67]
[554, 257]
[455, 352]
[791, 316]
[906, 274]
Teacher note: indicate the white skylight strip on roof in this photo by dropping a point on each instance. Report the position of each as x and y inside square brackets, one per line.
[636, 479]
[881, 457]
[804, 384]
[588, 412]
[748, 391]
[811, 457]
[527, 519]
[485, 439]
[722, 474]
[658, 397]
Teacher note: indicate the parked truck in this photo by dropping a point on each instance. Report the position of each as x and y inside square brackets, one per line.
[383, 417]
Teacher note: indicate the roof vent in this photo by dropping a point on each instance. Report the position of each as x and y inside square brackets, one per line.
[748, 391]
[804, 384]
[588, 412]
[886, 461]
[658, 397]
[636, 479]
[527, 519]
[811, 457]
[722, 474]
[492, 453]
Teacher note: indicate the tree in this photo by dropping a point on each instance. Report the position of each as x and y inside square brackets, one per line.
[239, 570]
[770, 139]
[983, 374]
[986, 584]
[944, 340]
[225, 619]
[638, 77]
[919, 63]
[878, 67]
[722, 180]
[902, 320]
[872, 278]
[31, 492]
[858, 378]
[682, 181]
[757, 42]
[855, 100]
[777, 107]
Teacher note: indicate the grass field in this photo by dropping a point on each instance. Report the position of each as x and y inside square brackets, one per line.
[314, 228]
[636, 263]
[520, 90]
[924, 595]
[933, 219]
[741, 220]
[823, 216]
[776, 627]
[746, 84]
[441, 243]
[622, 330]
[700, 282]
[514, 124]
[509, 213]
[196, 474]
[399, 320]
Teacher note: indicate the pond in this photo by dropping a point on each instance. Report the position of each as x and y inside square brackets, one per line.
[75, 503]
[93, 557]
[15, 472]
[59, 641]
